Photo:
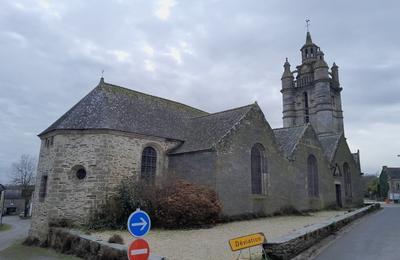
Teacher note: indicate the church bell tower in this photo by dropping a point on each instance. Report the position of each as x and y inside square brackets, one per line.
[311, 92]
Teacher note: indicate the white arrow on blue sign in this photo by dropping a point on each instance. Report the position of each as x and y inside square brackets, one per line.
[139, 223]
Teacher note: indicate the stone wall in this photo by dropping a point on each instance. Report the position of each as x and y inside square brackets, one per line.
[198, 167]
[288, 246]
[342, 156]
[107, 157]
[309, 145]
[234, 169]
[85, 246]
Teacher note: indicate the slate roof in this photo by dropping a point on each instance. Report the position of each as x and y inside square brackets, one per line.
[205, 131]
[12, 194]
[113, 107]
[288, 137]
[116, 108]
[329, 144]
[392, 172]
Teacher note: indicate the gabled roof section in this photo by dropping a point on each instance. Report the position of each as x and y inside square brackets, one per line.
[204, 132]
[329, 144]
[289, 137]
[392, 172]
[113, 107]
[12, 194]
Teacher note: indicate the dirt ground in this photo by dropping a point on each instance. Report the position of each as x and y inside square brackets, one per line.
[212, 243]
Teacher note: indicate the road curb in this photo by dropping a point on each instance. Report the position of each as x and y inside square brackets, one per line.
[290, 245]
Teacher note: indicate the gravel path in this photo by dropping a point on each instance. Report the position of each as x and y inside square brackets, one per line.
[19, 230]
[212, 243]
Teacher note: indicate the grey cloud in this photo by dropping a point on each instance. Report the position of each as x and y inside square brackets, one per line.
[232, 54]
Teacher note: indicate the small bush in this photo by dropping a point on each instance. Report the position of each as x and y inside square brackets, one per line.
[31, 241]
[181, 204]
[110, 254]
[116, 210]
[290, 210]
[60, 223]
[176, 204]
[116, 239]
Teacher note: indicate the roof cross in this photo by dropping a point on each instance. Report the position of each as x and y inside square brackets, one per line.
[307, 24]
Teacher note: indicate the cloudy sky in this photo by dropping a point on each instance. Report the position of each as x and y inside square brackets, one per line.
[210, 54]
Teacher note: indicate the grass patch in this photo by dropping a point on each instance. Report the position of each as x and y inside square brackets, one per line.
[21, 252]
[5, 227]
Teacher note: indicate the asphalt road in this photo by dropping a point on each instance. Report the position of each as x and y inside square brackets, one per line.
[19, 230]
[376, 237]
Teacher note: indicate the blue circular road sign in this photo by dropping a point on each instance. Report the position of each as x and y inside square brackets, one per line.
[139, 223]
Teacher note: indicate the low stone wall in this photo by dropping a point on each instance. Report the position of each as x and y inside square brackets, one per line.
[288, 246]
[87, 247]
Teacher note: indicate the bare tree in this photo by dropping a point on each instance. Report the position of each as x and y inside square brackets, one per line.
[23, 174]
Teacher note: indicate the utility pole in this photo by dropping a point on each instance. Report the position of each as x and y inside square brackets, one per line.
[2, 191]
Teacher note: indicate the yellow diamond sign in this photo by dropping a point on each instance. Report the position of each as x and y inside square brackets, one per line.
[240, 243]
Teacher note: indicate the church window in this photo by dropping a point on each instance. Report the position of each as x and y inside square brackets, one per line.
[43, 188]
[48, 142]
[306, 109]
[347, 179]
[149, 164]
[80, 173]
[312, 176]
[258, 169]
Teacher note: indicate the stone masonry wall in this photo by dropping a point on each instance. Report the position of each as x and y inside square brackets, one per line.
[308, 145]
[198, 167]
[343, 155]
[234, 169]
[107, 156]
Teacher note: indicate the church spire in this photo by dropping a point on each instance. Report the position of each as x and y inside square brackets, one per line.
[308, 39]
[309, 49]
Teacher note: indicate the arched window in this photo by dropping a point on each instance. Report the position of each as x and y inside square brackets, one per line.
[347, 179]
[43, 188]
[306, 110]
[312, 176]
[258, 169]
[149, 164]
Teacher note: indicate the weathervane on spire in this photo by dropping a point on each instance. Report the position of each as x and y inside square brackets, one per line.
[102, 73]
[307, 24]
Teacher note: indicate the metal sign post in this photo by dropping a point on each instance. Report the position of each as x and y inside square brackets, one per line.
[246, 242]
[139, 225]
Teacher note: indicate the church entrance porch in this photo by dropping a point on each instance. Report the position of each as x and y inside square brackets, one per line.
[338, 195]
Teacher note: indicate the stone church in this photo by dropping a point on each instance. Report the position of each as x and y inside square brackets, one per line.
[115, 132]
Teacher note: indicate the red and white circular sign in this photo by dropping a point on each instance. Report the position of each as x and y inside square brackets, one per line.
[138, 250]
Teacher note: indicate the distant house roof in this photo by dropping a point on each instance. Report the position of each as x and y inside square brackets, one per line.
[329, 144]
[288, 137]
[113, 107]
[392, 172]
[12, 194]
